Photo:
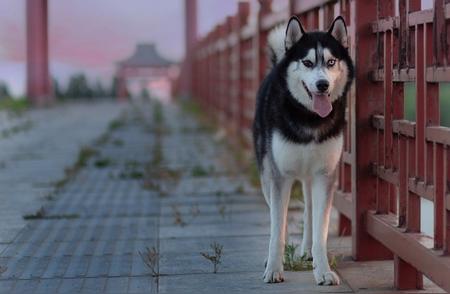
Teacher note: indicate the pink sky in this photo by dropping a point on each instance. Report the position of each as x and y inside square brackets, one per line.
[91, 35]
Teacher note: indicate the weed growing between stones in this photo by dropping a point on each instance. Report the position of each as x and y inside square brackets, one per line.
[132, 174]
[155, 171]
[41, 213]
[84, 155]
[199, 171]
[293, 262]
[116, 124]
[23, 127]
[150, 257]
[195, 210]
[216, 257]
[177, 217]
[3, 269]
[296, 191]
[103, 162]
[239, 190]
[222, 208]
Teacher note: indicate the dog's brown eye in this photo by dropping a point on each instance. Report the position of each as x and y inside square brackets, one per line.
[331, 62]
[307, 63]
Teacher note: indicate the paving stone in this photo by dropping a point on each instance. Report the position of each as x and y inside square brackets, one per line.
[36, 158]
[57, 267]
[78, 267]
[142, 285]
[295, 282]
[226, 216]
[99, 266]
[121, 265]
[231, 261]
[36, 267]
[2, 248]
[228, 208]
[26, 286]
[93, 285]
[117, 285]
[7, 286]
[216, 230]
[70, 286]
[195, 245]
[48, 286]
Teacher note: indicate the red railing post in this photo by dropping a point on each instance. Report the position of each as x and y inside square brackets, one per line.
[242, 20]
[38, 79]
[365, 104]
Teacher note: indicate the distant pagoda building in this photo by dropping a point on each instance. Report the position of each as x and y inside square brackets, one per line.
[146, 72]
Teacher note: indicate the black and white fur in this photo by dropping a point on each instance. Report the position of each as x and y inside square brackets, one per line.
[295, 139]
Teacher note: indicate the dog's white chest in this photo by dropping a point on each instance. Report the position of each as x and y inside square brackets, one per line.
[304, 160]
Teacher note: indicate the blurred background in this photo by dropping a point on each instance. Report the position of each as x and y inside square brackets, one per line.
[89, 40]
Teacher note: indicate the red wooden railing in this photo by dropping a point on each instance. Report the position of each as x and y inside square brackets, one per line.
[388, 162]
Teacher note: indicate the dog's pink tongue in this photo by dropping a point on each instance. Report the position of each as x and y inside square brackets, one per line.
[322, 105]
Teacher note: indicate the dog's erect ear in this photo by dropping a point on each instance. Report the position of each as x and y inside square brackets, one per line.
[338, 30]
[294, 32]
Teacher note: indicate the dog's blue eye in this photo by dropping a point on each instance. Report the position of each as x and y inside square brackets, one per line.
[307, 63]
[331, 62]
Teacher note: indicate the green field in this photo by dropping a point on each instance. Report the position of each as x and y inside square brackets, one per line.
[444, 102]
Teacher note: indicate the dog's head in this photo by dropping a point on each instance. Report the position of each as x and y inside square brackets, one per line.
[318, 67]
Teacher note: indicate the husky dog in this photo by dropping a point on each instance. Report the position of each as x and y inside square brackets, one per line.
[297, 132]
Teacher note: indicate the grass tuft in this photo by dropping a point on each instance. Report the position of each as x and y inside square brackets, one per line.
[84, 155]
[41, 213]
[177, 217]
[297, 192]
[216, 257]
[150, 257]
[14, 105]
[103, 162]
[199, 171]
[22, 127]
[116, 124]
[3, 269]
[293, 262]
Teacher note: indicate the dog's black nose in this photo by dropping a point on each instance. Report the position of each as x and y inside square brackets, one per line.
[322, 85]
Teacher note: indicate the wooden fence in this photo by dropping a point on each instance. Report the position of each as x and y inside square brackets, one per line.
[388, 163]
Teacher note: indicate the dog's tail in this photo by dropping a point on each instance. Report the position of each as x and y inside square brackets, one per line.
[275, 41]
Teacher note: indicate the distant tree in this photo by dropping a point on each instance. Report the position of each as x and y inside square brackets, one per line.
[79, 87]
[98, 90]
[4, 90]
[113, 89]
[57, 91]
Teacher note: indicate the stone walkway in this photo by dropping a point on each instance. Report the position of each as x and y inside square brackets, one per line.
[36, 148]
[157, 189]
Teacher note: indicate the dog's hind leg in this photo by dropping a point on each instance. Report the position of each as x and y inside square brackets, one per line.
[322, 197]
[280, 191]
[305, 249]
[265, 187]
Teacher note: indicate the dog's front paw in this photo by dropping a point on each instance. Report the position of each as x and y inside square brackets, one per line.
[327, 278]
[273, 275]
